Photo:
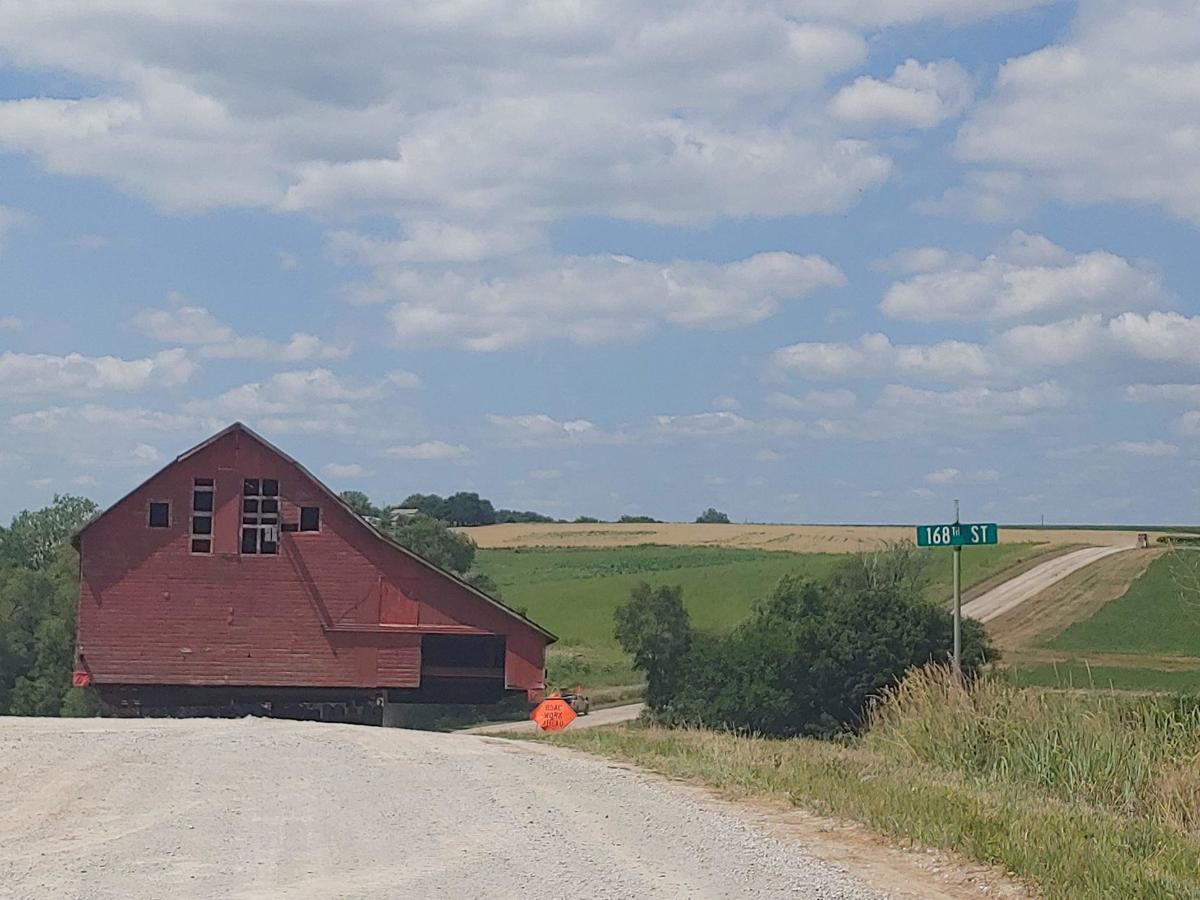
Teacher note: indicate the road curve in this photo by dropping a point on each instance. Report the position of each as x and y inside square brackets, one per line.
[128, 809]
[609, 716]
[1029, 584]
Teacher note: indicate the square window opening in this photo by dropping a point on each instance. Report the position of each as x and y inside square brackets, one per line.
[160, 515]
[201, 545]
[310, 518]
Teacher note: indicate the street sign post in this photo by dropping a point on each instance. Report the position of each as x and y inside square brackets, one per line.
[957, 534]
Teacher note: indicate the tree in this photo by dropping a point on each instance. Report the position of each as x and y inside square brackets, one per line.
[812, 654]
[712, 516]
[428, 504]
[34, 537]
[654, 628]
[434, 540]
[504, 516]
[637, 520]
[468, 508]
[361, 504]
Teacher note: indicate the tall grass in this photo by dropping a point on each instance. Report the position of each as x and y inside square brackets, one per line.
[1083, 795]
[1134, 755]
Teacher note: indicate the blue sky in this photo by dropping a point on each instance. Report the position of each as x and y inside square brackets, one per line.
[803, 260]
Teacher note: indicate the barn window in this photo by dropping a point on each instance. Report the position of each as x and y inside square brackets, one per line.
[203, 496]
[160, 515]
[310, 518]
[260, 516]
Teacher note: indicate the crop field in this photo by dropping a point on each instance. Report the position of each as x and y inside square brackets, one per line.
[574, 591]
[792, 538]
[1142, 635]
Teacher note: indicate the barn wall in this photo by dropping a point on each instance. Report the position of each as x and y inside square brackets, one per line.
[151, 612]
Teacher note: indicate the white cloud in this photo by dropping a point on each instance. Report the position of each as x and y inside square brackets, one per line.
[1172, 393]
[814, 401]
[545, 474]
[667, 113]
[344, 470]
[916, 96]
[1109, 114]
[1163, 337]
[539, 429]
[196, 326]
[700, 425]
[898, 12]
[1028, 277]
[289, 262]
[990, 196]
[874, 355]
[293, 392]
[956, 476]
[428, 450]
[595, 299]
[10, 323]
[433, 242]
[914, 259]
[1147, 448]
[40, 373]
[128, 420]
[943, 476]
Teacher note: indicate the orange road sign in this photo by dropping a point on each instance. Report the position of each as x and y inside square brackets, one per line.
[553, 714]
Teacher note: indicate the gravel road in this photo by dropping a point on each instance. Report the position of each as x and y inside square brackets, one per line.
[1029, 584]
[255, 808]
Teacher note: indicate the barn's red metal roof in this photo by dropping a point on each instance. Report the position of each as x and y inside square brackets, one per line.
[379, 535]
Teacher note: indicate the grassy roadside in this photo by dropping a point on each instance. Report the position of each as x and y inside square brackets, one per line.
[1082, 796]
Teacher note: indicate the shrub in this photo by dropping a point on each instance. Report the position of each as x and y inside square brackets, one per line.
[712, 516]
[809, 658]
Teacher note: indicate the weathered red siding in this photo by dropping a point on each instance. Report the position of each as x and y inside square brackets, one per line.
[336, 608]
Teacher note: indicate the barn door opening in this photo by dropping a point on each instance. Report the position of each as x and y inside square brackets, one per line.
[462, 655]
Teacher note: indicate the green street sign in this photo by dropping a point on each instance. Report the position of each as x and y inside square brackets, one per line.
[957, 535]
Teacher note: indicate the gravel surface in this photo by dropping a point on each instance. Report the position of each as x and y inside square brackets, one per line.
[254, 808]
[1029, 584]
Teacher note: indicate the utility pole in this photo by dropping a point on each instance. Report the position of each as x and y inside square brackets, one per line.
[957, 603]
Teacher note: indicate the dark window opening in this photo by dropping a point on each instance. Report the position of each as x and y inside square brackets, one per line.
[310, 518]
[160, 515]
[203, 497]
[260, 516]
[289, 526]
[462, 651]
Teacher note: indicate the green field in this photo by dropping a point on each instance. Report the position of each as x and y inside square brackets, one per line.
[1077, 673]
[573, 592]
[1152, 618]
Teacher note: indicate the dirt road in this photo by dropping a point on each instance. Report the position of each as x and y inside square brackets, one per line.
[1029, 584]
[255, 808]
[609, 716]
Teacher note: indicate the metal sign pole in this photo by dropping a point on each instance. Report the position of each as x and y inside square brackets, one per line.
[957, 603]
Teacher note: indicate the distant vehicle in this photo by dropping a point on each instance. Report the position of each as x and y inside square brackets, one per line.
[578, 701]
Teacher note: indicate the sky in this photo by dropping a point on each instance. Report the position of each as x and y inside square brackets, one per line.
[801, 260]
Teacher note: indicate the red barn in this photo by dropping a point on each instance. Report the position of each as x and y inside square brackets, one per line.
[233, 577]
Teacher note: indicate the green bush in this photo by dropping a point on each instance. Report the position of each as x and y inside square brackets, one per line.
[809, 658]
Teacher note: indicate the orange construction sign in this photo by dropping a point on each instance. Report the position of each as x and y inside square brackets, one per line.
[553, 714]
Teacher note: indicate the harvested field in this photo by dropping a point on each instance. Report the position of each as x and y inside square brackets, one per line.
[794, 538]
